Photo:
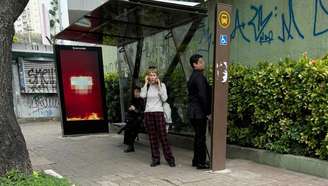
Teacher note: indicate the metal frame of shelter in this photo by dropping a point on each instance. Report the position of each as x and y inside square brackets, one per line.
[122, 22]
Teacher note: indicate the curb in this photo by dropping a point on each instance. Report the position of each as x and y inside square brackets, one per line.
[301, 164]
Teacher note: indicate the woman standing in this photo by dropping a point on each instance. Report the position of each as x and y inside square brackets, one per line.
[155, 94]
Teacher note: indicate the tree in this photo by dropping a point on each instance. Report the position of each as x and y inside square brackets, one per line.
[13, 151]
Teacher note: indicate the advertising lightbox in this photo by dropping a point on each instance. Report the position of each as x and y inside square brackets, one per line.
[81, 88]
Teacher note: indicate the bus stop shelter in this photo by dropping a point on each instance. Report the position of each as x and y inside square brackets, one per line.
[122, 22]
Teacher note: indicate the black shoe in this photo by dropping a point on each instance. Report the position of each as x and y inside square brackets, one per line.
[129, 149]
[203, 166]
[154, 163]
[194, 163]
[171, 163]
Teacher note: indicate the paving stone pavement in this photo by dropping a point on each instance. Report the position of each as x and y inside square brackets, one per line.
[100, 160]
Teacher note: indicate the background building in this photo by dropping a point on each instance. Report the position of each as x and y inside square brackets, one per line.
[33, 63]
[41, 20]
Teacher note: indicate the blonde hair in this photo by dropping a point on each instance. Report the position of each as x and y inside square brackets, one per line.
[152, 69]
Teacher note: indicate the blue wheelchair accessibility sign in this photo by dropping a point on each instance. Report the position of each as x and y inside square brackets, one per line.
[223, 40]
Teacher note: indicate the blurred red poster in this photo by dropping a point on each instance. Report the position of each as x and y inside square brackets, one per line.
[81, 85]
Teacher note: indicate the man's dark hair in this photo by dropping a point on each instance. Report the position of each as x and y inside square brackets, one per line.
[194, 59]
[137, 88]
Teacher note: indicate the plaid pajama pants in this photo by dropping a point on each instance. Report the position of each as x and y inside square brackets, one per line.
[155, 125]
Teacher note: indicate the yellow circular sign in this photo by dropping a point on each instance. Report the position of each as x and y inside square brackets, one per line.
[224, 19]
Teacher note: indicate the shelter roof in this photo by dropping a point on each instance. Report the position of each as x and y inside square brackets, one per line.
[119, 22]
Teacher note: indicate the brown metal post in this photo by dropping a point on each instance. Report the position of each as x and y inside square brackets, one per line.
[220, 96]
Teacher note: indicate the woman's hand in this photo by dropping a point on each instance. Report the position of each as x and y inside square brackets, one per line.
[158, 82]
[146, 80]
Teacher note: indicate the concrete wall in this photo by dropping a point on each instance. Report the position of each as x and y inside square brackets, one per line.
[270, 30]
[33, 106]
[264, 30]
[32, 103]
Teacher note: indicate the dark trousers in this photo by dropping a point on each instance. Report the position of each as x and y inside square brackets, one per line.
[131, 132]
[155, 126]
[199, 141]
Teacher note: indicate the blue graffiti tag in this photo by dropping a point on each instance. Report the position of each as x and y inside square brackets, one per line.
[287, 29]
[259, 24]
[317, 3]
[239, 27]
[206, 34]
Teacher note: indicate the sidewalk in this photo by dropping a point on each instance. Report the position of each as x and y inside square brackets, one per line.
[99, 160]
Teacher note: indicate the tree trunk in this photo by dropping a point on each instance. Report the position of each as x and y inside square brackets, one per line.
[13, 151]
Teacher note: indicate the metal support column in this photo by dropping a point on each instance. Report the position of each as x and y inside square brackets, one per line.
[119, 66]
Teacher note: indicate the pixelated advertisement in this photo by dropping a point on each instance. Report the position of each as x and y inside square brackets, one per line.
[81, 85]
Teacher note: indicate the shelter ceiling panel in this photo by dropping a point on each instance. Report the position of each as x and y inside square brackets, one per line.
[119, 22]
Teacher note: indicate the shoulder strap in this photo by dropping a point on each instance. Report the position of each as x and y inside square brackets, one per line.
[146, 95]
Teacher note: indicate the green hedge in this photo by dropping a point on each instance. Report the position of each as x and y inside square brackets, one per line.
[15, 178]
[113, 97]
[178, 100]
[280, 107]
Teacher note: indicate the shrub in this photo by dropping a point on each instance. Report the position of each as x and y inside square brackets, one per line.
[15, 178]
[113, 97]
[178, 99]
[280, 107]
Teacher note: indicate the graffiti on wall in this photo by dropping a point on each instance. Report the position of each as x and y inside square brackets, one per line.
[202, 40]
[288, 27]
[200, 44]
[45, 106]
[37, 77]
[158, 50]
[319, 6]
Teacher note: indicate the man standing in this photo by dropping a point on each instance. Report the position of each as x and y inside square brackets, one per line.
[199, 109]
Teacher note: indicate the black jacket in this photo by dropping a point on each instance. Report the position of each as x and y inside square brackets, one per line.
[137, 114]
[199, 96]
